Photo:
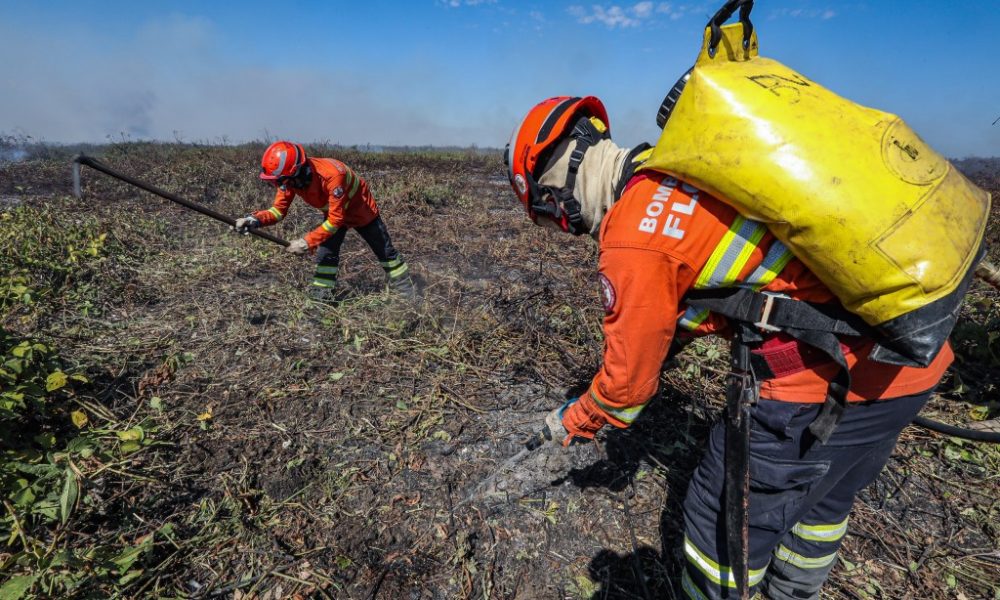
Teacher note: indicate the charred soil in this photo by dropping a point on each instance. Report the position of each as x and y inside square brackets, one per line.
[314, 450]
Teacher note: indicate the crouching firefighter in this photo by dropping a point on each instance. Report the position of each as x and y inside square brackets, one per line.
[344, 197]
[812, 417]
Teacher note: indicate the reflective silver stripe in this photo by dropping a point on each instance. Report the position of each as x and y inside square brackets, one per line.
[732, 254]
[281, 165]
[625, 415]
[777, 258]
[324, 283]
[713, 570]
[803, 562]
[692, 318]
[392, 263]
[821, 533]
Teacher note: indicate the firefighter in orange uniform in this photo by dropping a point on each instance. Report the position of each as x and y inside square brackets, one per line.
[662, 242]
[343, 196]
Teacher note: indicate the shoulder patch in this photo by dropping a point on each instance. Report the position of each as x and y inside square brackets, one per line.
[608, 295]
[338, 192]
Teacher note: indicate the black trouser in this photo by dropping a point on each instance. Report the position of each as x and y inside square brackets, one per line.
[377, 238]
[801, 493]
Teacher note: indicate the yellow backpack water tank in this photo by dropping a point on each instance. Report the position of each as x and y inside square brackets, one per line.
[889, 225]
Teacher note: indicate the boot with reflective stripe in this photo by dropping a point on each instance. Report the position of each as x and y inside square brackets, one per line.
[323, 288]
[397, 277]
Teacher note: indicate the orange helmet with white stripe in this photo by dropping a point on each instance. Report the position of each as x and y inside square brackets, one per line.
[282, 161]
[531, 145]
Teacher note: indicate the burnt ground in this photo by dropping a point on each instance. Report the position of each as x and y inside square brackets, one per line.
[304, 450]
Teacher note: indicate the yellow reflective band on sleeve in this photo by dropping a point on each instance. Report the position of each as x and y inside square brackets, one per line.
[398, 271]
[821, 533]
[803, 562]
[625, 415]
[328, 227]
[355, 182]
[277, 213]
[717, 574]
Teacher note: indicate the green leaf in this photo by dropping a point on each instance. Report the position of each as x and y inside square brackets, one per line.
[167, 530]
[336, 376]
[401, 405]
[17, 586]
[78, 444]
[129, 447]
[979, 413]
[23, 498]
[55, 380]
[70, 492]
[46, 440]
[136, 434]
[344, 561]
[156, 403]
[126, 559]
[130, 576]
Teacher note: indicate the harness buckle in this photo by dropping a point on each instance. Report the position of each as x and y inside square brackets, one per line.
[765, 314]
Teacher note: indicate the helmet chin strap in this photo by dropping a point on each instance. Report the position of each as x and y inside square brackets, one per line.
[566, 209]
[299, 180]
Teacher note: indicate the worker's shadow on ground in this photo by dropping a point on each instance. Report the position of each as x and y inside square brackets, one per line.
[669, 437]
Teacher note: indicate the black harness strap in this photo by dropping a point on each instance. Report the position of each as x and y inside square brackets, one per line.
[817, 325]
[586, 135]
[565, 195]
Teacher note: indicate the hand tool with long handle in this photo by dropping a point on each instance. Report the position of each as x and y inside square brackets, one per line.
[740, 396]
[99, 166]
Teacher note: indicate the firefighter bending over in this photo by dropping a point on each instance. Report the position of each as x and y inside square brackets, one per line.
[343, 196]
[661, 240]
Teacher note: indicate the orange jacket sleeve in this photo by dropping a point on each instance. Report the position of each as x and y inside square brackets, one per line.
[337, 200]
[282, 200]
[641, 289]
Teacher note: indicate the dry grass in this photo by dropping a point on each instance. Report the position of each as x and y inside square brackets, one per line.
[318, 451]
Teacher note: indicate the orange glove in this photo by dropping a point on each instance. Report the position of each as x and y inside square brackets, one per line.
[576, 421]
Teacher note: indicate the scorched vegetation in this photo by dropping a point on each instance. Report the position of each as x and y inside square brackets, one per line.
[178, 421]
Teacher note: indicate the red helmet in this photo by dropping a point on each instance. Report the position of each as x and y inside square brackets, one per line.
[544, 127]
[282, 161]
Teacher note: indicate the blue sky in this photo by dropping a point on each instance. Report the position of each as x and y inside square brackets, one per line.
[461, 71]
